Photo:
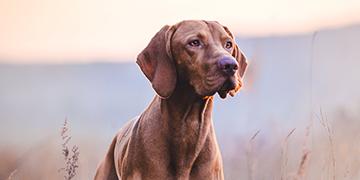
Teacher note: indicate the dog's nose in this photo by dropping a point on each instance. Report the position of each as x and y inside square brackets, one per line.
[228, 65]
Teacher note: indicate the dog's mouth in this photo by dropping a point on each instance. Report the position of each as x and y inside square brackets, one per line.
[229, 86]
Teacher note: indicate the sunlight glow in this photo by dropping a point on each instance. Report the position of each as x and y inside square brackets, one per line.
[52, 31]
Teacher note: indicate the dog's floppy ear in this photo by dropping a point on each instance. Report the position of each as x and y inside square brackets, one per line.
[241, 59]
[238, 55]
[157, 64]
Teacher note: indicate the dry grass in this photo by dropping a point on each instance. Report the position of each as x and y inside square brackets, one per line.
[330, 135]
[70, 153]
[312, 154]
[284, 156]
[315, 152]
[251, 162]
[301, 173]
[12, 174]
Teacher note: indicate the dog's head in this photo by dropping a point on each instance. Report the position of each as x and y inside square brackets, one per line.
[201, 53]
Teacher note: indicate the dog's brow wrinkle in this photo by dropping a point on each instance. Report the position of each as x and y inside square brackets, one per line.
[226, 37]
[201, 36]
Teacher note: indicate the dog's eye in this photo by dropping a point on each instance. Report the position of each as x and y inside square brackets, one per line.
[195, 43]
[228, 45]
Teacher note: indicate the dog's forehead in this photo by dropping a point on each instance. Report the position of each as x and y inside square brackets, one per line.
[190, 27]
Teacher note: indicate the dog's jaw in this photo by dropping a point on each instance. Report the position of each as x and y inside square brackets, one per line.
[229, 86]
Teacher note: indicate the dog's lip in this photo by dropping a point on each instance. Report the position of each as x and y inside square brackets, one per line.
[226, 87]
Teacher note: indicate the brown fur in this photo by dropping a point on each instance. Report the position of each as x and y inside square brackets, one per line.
[174, 137]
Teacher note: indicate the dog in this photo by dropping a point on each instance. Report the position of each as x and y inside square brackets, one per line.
[174, 138]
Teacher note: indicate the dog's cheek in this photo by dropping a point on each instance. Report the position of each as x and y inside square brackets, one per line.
[199, 85]
[196, 83]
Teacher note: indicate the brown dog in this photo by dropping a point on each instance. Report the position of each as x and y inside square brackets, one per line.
[174, 138]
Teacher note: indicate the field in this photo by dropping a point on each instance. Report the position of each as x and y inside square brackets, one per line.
[297, 117]
[325, 149]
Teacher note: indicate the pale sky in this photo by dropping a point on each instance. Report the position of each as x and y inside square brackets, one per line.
[73, 31]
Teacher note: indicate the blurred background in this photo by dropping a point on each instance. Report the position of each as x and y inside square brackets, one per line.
[75, 60]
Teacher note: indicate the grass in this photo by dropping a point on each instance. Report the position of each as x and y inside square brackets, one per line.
[284, 156]
[318, 151]
[70, 153]
[251, 157]
[12, 174]
[325, 149]
[325, 123]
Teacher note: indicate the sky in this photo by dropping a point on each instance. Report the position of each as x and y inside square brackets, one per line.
[82, 31]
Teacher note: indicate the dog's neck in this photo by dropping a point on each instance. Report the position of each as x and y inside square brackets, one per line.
[185, 106]
[188, 122]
